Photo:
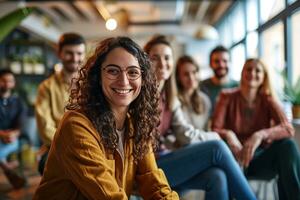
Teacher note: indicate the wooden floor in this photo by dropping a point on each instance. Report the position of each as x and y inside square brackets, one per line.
[26, 193]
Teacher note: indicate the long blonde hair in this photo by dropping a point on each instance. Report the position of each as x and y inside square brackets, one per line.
[266, 87]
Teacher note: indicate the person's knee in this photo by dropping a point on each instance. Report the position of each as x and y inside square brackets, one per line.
[7, 149]
[221, 150]
[219, 145]
[288, 154]
[287, 147]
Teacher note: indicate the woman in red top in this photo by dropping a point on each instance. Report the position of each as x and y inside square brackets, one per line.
[257, 131]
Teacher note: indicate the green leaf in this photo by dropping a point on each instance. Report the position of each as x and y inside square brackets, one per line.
[12, 20]
[292, 92]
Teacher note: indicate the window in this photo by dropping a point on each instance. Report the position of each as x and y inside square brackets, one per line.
[263, 36]
[273, 53]
[252, 44]
[225, 33]
[295, 46]
[252, 15]
[291, 1]
[237, 23]
[237, 61]
[269, 8]
[273, 46]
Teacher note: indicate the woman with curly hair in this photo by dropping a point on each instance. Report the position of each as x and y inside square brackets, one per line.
[105, 140]
[198, 159]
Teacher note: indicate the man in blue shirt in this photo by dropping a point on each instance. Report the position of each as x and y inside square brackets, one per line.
[12, 115]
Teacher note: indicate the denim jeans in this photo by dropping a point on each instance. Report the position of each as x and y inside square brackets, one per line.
[6, 149]
[208, 166]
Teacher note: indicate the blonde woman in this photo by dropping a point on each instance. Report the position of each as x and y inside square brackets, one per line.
[258, 132]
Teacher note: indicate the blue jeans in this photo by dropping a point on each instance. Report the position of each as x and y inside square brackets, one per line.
[6, 149]
[208, 166]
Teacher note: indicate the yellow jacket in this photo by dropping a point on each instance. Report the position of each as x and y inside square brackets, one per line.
[52, 96]
[78, 167]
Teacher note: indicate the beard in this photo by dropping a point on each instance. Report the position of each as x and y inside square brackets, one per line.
[221, 72]
[4, 90]
[71, 66]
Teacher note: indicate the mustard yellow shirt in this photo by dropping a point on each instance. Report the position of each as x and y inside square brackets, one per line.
[52, 97]
[79, 167]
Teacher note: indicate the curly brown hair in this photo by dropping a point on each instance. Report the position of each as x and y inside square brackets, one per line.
[87, 96]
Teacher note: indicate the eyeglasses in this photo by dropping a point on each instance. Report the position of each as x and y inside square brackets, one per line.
[113, 72]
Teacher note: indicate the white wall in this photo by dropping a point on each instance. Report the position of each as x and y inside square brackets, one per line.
[200, 50]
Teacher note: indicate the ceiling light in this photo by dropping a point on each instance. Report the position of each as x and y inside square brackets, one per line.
[206, 32]
[111, 24]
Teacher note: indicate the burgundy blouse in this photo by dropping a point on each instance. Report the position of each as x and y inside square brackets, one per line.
[233, 113]
[165, 115]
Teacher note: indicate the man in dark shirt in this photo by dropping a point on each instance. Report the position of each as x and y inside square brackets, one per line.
[12, 115]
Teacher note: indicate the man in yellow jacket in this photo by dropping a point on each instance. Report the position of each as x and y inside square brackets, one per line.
[53, 93]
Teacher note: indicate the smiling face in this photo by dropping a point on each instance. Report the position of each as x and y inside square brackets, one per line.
[72, 56]
[120, 92]
[253, 74]
[188, 76]
[162, 61]
[219, 63]
[7, 83]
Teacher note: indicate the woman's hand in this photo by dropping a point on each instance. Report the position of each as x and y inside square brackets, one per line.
[234, 144]
[249, 148]
[9, 136]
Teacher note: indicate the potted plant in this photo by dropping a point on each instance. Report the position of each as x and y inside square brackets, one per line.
[292, 94]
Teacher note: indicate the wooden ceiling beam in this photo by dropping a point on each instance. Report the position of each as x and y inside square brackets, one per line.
[218, 11]
[78, 11]
[202, 11]
[94, 9]
[61, 13]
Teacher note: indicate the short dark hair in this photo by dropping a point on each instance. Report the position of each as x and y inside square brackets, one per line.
[5, 71]
[70, 39]
[218, 48]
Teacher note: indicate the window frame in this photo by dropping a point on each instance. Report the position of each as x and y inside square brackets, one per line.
[284, 16]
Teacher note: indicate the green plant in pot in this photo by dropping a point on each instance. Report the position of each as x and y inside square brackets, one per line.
[292, 94]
